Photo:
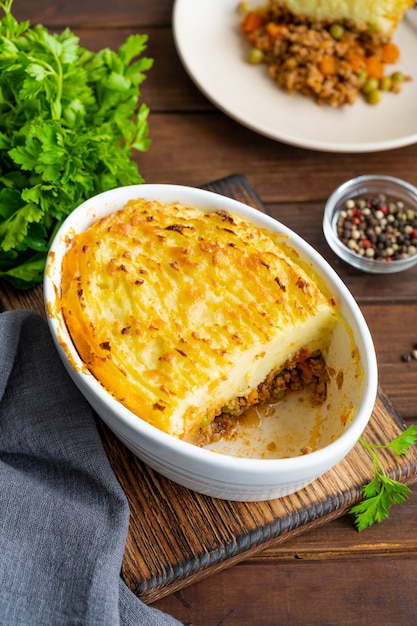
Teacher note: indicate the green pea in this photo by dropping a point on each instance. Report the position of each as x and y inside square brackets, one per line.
[255, 56]
[374, 97]
[337, 31]
[243, 7]
[291, 63]
[281, 394]
[398, 77]
[370, 85]
[316, 354]
[385, 83]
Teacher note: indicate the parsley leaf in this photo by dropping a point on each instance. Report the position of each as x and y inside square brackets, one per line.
[401, 443]
[382, 492]
[70, 120]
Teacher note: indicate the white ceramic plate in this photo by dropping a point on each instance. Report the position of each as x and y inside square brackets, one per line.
[214, 53]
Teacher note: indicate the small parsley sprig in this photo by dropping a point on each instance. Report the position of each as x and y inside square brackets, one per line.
[382, 492]
[70, 121]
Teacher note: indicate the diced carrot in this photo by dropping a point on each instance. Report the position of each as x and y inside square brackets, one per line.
[273, 30]
[327, 66]
[390, 53]
[306, 370]
[374, 67]
[357, 62]
[252, 21]
[252, 37]
[348, 37]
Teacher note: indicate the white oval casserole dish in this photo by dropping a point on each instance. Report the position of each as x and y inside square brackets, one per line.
[226, 471]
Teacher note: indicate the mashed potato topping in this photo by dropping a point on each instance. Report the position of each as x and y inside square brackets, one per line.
[380, 16]
[187, 316]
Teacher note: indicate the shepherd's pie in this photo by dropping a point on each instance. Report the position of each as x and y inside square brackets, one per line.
[187, 317]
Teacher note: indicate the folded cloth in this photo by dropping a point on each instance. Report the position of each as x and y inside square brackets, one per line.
[63, 515]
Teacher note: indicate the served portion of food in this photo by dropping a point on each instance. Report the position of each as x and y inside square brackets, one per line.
[330, 51]
[188, 317]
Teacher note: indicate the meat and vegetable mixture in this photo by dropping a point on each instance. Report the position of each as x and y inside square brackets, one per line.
[304, 371]
[332, 63]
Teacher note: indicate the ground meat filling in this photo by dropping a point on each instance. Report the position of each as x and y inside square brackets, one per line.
[304, 371]
[304, 57]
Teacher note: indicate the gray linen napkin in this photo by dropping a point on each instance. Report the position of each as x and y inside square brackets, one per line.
[63, 514]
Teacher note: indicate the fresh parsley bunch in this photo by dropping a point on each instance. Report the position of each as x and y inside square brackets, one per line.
[69, 121]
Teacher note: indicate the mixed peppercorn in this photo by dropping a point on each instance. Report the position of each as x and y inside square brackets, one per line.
[378, 228]
[408, 356]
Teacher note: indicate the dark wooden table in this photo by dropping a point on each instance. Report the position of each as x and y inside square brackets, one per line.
[331, 575]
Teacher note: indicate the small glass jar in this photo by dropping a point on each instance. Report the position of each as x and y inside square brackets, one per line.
[371, 188]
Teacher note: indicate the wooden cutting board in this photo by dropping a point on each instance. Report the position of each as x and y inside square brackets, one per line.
[177, 536]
